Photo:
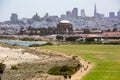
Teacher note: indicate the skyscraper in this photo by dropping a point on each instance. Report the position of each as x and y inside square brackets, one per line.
[75, 12]
[111, 14]
[118, 13]
[83, 13]
[95, 11]
[46, 15]
[36, 17]
[68, 14]
[14, 17]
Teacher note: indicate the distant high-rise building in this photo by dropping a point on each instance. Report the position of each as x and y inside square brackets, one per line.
[95, 11]
[46, 15]
[52, 18]
[111, 14]
[96, 14]
[75, 12]
[68, 14]
[118, 13]
[63, 16]
[36, 17]
[102, 15]
[14, 17]
[83, 13]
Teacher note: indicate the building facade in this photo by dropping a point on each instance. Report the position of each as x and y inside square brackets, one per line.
[14, 17]
[95, 11]
[75, 12]
[64, 27]
[83, 13]
[111, 14]
[118, 13]
[36, 17]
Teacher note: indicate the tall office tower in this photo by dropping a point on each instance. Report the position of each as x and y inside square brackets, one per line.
[102, 15]
[14, 17]
[46, 15]
[75, 12]
[36, 17]
[95, 11]
[118, 13]
[68, 14]
[83, 13]
[111, 14]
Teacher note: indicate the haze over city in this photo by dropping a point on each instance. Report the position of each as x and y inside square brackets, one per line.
[27, 8]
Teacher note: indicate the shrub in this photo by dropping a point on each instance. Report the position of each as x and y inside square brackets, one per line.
[71, 38]
[34, 45]
[62, 70]
[38, 45]
[48, 43]
[58, 37]
[14, 44]
[38, 40]
[14, 67]
[2, 68]
[27, 39]
[89, 40]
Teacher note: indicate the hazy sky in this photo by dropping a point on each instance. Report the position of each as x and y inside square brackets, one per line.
[27, 8]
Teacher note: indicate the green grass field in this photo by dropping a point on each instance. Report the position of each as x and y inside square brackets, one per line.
[106, 59]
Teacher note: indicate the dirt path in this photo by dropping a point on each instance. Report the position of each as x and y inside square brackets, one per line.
[87, 66]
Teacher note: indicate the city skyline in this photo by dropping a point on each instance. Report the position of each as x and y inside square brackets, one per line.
[8, 7]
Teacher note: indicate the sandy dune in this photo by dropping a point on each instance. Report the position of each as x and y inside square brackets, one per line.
[14, 56]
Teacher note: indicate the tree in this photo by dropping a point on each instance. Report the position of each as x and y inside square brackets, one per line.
[108, 30]
[89, 40]
[58, 37]
[72, 38]
[115, 29]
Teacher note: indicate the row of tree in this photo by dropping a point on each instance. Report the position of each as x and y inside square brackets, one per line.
[39, 31]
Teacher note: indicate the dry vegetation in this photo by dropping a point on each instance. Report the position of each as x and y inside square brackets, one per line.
[38, 69]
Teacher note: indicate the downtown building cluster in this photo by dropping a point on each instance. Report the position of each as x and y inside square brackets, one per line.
[82, 21]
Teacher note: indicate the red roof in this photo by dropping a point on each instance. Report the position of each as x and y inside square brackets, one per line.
[111, 33]
[88, 35]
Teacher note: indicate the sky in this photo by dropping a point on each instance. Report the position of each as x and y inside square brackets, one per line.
[27, 8]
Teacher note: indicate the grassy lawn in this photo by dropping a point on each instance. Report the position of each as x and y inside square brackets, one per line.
[106, 59]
